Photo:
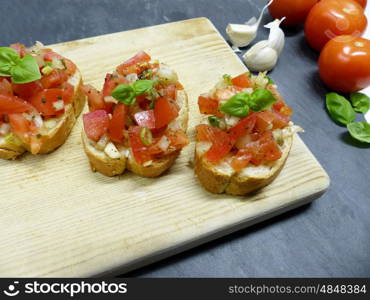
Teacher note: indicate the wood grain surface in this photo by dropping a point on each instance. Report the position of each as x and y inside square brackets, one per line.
[60, 219]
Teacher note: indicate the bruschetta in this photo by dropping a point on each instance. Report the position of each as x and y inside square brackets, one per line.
[138, 121]
[40, 99]
[245, 136]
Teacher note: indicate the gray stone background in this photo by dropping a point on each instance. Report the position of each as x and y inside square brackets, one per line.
[330, 237]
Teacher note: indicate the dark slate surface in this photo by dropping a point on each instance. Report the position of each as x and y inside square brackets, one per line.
[330, 237]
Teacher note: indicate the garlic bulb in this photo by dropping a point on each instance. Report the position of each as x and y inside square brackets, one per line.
[264, 55]
[241, 35]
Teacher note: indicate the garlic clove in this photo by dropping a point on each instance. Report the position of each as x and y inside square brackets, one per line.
[276, 38]
[241, 35]
[261, 57]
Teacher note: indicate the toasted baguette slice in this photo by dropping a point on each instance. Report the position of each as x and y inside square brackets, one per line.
[222, 178]
[54, 132]
[101, 162]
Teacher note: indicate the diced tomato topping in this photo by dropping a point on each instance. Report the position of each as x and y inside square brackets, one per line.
[70, 66]
[242, 81]
[170, 91]
[280, 121]
[145, 118]
[240, 160]
[96, 124]
[117, 123]
[245, 126]
[94, 98]
[139, 150]
[50, 54]
[264, 120]
[221, 142]
[179, 86]
[27, 90]
[269, 147]
[14, 105]
[165, 111]
[19, 124]
[44, 102]
[5, 87]
[21, 49]
[209, 106]
[111, 82]
[143, 102]
[178, 138]
[132, 65]
[68, 90]
[277, 106]
[55, 79]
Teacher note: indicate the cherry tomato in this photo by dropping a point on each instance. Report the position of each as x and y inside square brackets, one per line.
[344, 64]
[94, 98]
[209, 106]
[96, 124]
[165, 111]
[330, 18]
[14, 105]
[132, 65]
[45, 100]
[295, 11]
[145, 118]
[117, 123]
[242, 81]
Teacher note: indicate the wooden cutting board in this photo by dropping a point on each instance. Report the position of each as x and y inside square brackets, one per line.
[57, 218]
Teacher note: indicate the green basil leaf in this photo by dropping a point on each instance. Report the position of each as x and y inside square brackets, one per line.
[360, 131]
[261, 99]
[124, 94]
[237, 105]
[8, 59]
[27, 70]
[214, 121]
[142, 86]
[340, 109]
[360, 102]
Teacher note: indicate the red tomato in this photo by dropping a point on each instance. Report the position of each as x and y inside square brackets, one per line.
[240, 160]
[345, 64]
[44, 102]
[242, 81]
[139, 150]
[143, 102]
[96, 124]
[19, 124]
[268, 147]
[295, 11]
[94, 98]
[117, 123]
[14, 105]
[55, 79]
[165, 111]
[145, 118]
[131, 65]
[111, 82]
[27, 90]
[209, 106]
[179, 86]
[330, 18]
[5, 87]
[280, 121]
[245, 126]
[221, 142]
